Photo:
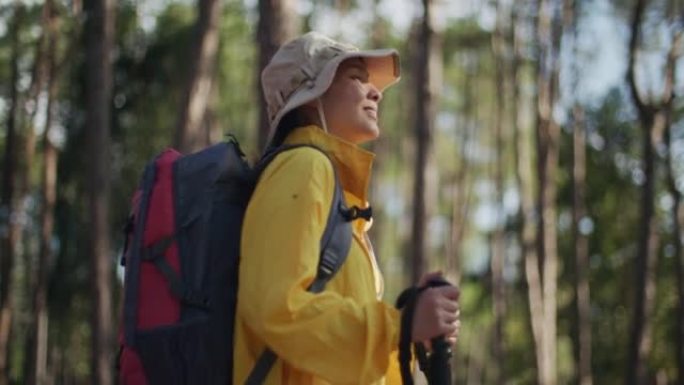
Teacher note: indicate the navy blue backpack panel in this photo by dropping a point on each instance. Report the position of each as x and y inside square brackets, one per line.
[181, 276]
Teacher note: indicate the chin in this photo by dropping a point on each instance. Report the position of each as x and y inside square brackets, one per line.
[368, 135]
[372, 131]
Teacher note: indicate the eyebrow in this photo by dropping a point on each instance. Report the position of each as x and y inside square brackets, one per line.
[359, 65]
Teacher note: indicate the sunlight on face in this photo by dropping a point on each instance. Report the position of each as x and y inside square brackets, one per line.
[351, 103]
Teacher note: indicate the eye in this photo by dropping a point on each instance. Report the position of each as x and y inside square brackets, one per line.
[359, 77]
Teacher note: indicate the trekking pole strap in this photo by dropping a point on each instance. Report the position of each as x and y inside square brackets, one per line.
[436, 366]
[407, 304]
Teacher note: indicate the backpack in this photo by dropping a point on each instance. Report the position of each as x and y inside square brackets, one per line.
[181, 269]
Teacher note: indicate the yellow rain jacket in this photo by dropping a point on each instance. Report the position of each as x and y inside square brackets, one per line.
[344, 335]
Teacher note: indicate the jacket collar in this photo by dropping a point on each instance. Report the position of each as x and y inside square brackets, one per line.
[352, 163]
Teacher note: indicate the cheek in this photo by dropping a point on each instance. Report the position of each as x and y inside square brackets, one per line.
[340, 102]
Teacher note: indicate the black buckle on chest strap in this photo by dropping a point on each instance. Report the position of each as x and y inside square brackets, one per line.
[355, 212]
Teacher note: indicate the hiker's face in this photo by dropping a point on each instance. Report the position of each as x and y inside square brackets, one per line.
[351, 103]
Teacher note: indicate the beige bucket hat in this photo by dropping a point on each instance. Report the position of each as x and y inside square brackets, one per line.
[303, 69]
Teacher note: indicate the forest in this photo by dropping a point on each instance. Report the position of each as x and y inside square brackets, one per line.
[533, 151]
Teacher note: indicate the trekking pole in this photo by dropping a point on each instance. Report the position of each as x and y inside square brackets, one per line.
[440, 368]
[435, 365]
[440, 358]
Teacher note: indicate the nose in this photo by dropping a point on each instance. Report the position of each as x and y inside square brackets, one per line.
[374, 93]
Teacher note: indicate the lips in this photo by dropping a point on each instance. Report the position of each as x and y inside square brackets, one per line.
[372, 112]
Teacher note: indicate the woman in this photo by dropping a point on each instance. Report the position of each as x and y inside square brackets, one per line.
[322, 93]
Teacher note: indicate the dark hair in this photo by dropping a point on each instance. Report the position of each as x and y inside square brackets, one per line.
[288, 123]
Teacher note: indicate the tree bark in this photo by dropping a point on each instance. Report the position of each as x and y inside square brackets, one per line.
[581, 242]
[7, 203]
[277, 24]
[677, 218]
[31, 103]
[39, 327]
[100, 43]
[423, 132]
[498, 245]
[24, 187]
[582, 330]
[653, 119]
[678, 209]
[645, 265]
[461, 187]
[525, 184]
[533, 266]
[190, 136]
[547, 134]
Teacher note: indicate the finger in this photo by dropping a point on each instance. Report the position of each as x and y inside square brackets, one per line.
[451, 292]
[448, 305]
[429, 277]
[448, 328]
[449, 317]
[455, 322]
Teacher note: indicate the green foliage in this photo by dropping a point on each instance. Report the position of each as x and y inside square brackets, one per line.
[463, 35]
[237, 91]
[150, 65]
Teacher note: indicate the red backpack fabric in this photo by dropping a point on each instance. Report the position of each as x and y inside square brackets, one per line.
[156, 305]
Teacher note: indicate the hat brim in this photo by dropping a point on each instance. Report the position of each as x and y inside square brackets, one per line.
[383, 70]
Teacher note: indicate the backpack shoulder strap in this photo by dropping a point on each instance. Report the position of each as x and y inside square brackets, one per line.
[335, 244]
[337, 236]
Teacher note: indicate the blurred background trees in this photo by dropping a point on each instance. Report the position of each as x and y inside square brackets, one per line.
[534, 152]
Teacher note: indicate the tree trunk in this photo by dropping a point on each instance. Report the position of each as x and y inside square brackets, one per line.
[277, 24]
[547, 134]
[582, 325]
[461, 187]
[25, 186]
[653, 118]
[525, 184]
[581, 242]
[39, 327]
[211, 119]
[645, 265]
[7, 204]
[678, 210]
[100, 42]
[190, 136]
[31, 103]
[677, 240]
[679, 271]
[423, 127]
[498, 245]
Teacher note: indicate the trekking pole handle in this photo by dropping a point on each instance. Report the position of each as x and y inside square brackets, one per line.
[440, 358]
[440, 368]
[436, 365]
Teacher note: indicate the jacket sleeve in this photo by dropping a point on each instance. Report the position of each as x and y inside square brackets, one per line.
[327, 335]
